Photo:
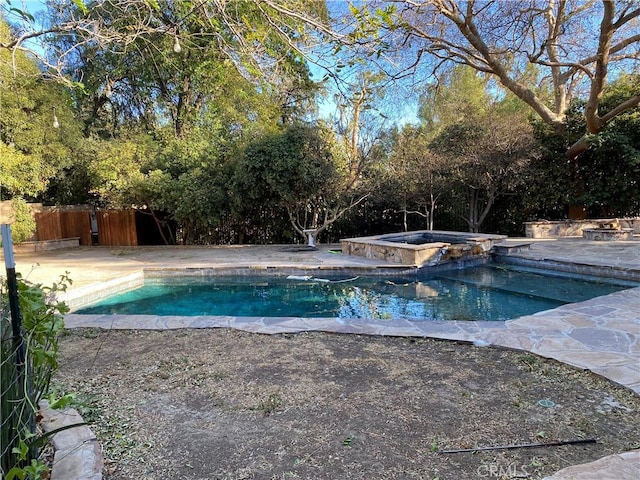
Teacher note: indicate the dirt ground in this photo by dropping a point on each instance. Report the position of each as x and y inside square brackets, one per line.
[224, 404]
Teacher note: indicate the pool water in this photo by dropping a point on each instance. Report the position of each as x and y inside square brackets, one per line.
[490, 292]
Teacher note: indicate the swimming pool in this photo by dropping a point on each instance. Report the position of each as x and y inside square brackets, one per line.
[489, 292]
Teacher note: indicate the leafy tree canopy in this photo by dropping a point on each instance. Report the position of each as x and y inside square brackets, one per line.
[37, 125]
[606, 178]
[303, 170]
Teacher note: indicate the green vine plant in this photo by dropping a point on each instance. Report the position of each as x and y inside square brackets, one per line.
[24, 385]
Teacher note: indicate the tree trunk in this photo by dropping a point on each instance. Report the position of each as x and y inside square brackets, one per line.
[404, 214]
[596, 124]
[473, 210]
[432, 210]
[159, 226]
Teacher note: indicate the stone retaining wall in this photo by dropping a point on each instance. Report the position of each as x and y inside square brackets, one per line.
[44, 245]
[571, 228]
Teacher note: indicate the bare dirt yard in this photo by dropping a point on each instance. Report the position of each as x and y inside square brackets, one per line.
[224, 404]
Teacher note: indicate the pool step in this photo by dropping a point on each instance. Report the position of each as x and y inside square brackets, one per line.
[509, 248]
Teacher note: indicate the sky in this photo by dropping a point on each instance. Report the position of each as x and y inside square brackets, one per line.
[399, 104]
[30, 6]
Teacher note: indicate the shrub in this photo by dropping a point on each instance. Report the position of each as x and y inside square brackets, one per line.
[27, 363]
[24, 224]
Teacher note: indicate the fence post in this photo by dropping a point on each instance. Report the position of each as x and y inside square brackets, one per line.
[16, 327]
[14, 304]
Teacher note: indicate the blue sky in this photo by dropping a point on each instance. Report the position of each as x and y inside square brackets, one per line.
[31, 6]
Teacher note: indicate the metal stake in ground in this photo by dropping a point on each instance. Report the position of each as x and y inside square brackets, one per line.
[522, 445]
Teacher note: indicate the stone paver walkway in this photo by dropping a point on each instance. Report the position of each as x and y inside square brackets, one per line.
[601, 335]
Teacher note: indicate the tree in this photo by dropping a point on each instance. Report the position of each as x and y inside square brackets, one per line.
[419, 174]
[487, 156]
[189, 180]
[360, 125]
[37, 128]
[611, 168]
[182, 182]
[147, 82]
[300, 170]
[167, 89]
[572, 44]
[459, 93]
[245, 32]
[604, 179]
[229, 69]
[423, 173]
[185, 70]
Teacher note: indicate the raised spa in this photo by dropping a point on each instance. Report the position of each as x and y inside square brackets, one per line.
[423, 247]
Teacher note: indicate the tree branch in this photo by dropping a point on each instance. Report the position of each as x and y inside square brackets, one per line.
[626, 17]
[632, 102]
[594, 123]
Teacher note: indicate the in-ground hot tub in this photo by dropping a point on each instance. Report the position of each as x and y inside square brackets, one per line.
[423, 247]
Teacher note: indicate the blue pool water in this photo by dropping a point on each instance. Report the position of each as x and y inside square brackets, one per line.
[490, 292]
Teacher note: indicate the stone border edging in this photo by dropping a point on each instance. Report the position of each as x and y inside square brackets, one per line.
[78, 454]
[621, 466]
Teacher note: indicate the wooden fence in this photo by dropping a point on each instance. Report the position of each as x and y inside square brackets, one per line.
[117, 227]
[49, 225]
[53, 224]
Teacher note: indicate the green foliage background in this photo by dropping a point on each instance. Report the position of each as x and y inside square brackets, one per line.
[228, 149]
